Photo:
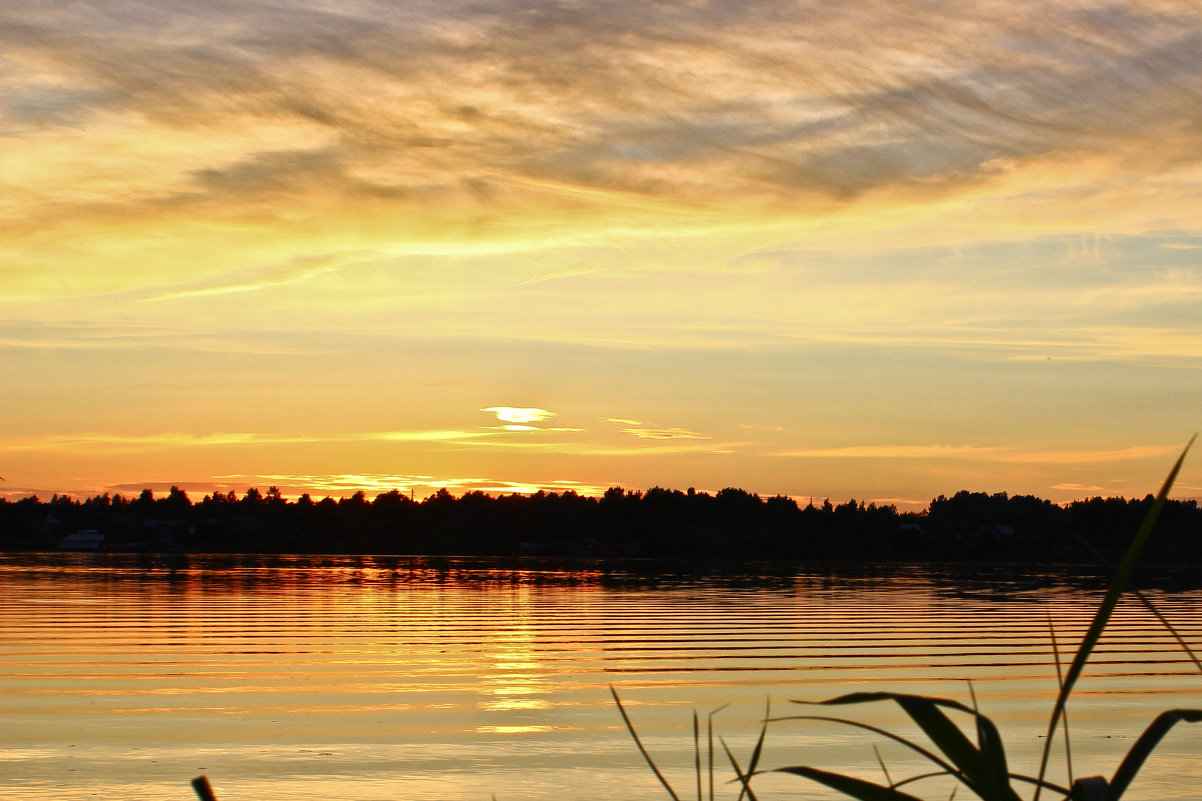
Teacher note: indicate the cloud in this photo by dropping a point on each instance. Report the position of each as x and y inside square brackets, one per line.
[896, 452]
[904, 504]
[987, 454]
[433, 435]
[779, 103]
[175, 439]
[516, 414]
[247, 279]
[76, 335]
[663, 433]
[192, 488]
[1093, 456]
[202, 153]
[1077, 487]
[134, 442]
[655, 448]
[346, 484]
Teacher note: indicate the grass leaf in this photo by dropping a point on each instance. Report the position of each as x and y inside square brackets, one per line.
[984, 772]
[993, 755]
[759, 743]
[913, 746]
[709, 729]
[1144, 745]
[743, 778]
[884, 768]
[639, 743]
[848, 785]
[1118, 583]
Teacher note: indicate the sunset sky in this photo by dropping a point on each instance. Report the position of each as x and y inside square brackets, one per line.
[873, 250]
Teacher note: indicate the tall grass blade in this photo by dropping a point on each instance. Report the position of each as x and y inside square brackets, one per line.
[989, 743]
[884, 769]
[932, 775]
[1068, 746]
[1047, 785]
[744, 778]
[945, 767]
[709, 727]
[984, 766]
[1143, 748]
[759, 745]
[981, 769]
[1147, 602]
[639, 743]
[697, 751]
[848, 785]
[993, 753]
[1117, 583]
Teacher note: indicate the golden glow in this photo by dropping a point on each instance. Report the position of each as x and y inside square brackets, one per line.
[984, 454]
[782, 244]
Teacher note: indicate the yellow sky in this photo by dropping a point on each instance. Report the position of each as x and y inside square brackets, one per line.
[881, 250]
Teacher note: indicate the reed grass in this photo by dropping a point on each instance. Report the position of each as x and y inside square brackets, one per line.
[979, 765]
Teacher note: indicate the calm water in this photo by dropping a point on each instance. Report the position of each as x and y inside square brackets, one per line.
[397, 678]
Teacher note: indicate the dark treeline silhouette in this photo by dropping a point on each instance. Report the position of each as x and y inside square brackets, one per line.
[656, 523]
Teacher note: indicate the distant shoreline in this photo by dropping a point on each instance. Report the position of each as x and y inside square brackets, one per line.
[621, 524]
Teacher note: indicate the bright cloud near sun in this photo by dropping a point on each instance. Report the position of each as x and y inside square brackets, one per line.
[514, 414]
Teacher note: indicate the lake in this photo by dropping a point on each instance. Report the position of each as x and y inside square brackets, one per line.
[370, 678]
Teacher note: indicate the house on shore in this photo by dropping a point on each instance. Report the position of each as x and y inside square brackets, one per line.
[86, 539]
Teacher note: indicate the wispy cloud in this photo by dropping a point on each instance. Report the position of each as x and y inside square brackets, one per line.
[435, 435]
[1091, 456]
[987, 454]
[345, 484]
[250, 279]
[903, 504]
[898, 452]
[642, 430]
[776, 105]
[651, 448]
[134, 442]
[106, 441]
[663, 433]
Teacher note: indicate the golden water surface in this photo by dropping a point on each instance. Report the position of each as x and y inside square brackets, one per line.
[303, 677]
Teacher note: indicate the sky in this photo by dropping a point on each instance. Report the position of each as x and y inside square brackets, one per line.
[872, 250]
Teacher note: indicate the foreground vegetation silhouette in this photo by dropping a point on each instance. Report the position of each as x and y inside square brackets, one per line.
[979, 766]
[968, 526]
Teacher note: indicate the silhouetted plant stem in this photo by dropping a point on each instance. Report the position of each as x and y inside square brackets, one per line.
[1118, 583]
[639, 743]
[203, 789]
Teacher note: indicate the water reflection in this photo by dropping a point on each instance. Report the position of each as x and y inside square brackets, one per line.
[279, 674]
[958, 580]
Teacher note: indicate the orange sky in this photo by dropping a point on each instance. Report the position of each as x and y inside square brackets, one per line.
[881, 250]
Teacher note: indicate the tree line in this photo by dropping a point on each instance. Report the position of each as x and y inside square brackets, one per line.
[654, 523]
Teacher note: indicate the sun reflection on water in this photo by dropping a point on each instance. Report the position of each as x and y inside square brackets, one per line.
[513, 674]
